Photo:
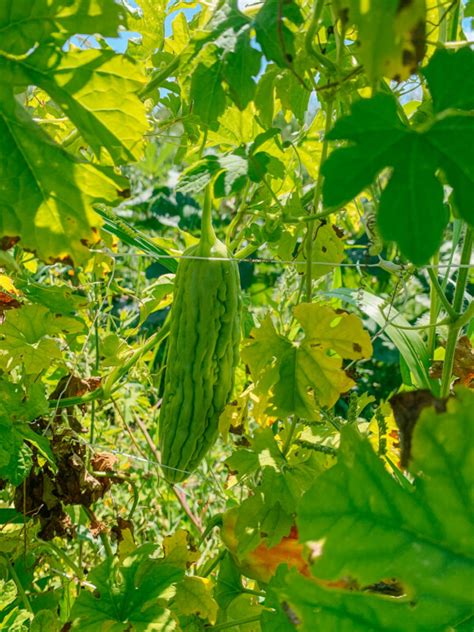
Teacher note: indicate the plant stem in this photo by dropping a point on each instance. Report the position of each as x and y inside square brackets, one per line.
[103, 536]
[317, 196]
[438, 290]
[62, 555]
[238, 216]
[18, 584]
[208, 236]
[455, 21]
[247, 250]
[466, 316]
[212, 564]
[311, 32]
[434, 307]
[456, 325]
[96, 362]
[309, 218]
[160, 77]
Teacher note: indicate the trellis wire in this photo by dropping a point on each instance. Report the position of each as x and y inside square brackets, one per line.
[384, 265]
[134, 457]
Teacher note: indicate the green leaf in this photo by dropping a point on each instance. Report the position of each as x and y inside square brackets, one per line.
[273, 33]
[60, 299]
[229, 582]
[28, 338]
[233, 176]
[376, 131]
[263, 350]
[50, 207]
[264, 96]
[262, 452]
[450, 140]
[23, 24]
[458, 92]
[15, 456]
[419, 228]
[433, 523]
[293, 96]
[297, 378]
[411, 209]
[244, 607]
[304, 605]
[207, 93]
[262, 516]
[45, 621]
[18, 406]
[48, 192]
[115, 121]
[21, 403]
[240, 67]
[327, 247]
[126, 595]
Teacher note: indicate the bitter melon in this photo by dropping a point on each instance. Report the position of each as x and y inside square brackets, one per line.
[202, 352]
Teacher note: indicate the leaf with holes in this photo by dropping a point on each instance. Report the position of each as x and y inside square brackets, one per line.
[423, 537]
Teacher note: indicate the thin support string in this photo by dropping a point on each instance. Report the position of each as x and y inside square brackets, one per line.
[139, 459]
[386, 265]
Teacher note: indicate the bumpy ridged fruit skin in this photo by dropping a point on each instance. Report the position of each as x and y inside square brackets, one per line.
[203, 351]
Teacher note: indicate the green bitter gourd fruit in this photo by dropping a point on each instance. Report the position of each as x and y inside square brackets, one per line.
[203, 350]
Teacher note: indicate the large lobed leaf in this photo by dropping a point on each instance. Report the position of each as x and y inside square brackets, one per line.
[127, 595]
[411, 211]
[47, 192]
[297, 378]
[371, 529]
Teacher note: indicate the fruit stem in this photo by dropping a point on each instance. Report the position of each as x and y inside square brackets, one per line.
[208, 236]
[456, 326]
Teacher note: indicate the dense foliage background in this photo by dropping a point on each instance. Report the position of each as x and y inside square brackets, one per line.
[335, 139]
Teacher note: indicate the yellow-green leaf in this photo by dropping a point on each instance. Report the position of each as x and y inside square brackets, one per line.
[339, 331]
[194, 597]
[179, 549]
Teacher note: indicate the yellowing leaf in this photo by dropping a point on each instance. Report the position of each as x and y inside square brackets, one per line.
[383, 434]
[179, 549]
[127, 545]
[308, 376]
[296, 378]
[194, 597]
[339, 331]
[392, 35]
[328, 248]
[262, 353]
